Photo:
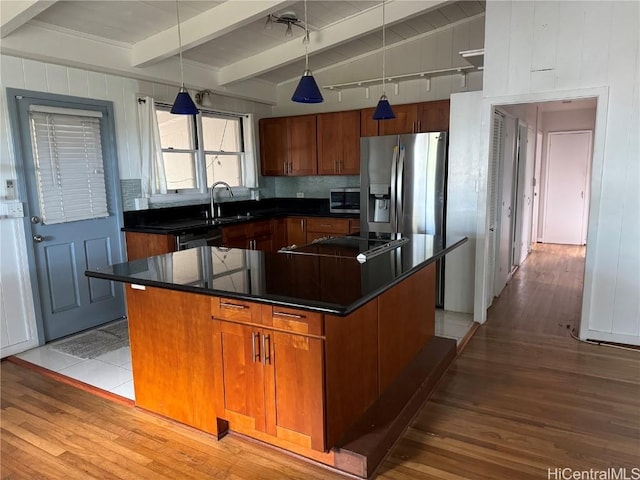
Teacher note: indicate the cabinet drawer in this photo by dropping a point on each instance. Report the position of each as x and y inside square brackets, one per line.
[354, 226]
[328, 225]
[236, 310]
[293, 320]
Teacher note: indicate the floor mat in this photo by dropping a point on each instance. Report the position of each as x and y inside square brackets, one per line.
[96, 342]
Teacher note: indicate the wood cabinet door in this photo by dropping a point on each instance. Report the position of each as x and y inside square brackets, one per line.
[330, 151]
[274, 145]
[171, 336]
[303, 155]
[405, 122]
[368, 126]
[350, 124]
[235, 236]
[294, 391]
[240, 376]
[263, 243]
[278, 233]
[433, 116]
[143, 245]
[296, 231]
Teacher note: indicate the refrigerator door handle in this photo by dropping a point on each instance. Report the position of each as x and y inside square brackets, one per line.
[392, 199]
[399, 191]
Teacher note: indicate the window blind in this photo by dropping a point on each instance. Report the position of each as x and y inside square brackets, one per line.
[67, 151]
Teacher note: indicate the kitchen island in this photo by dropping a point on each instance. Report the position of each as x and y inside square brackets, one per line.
[307, 350]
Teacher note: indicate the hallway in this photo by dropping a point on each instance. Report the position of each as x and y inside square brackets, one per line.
[523, 397]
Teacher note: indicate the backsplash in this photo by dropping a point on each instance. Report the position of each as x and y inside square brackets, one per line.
[313, 187]
[270, 187]
[130, 188]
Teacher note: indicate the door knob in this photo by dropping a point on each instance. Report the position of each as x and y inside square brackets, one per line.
[38, 238]
[35, 219]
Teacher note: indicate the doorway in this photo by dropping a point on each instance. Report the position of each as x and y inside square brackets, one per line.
[534, 180]
[67, 171]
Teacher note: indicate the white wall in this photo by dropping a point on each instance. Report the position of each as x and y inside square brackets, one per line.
[436, 50]
[462, 199]
[17, 314]
[540, 51]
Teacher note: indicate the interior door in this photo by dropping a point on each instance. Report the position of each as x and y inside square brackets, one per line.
[63, 249]
[565, 203]
[506, 189]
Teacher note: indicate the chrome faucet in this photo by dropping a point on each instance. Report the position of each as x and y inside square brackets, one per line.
[215, 209]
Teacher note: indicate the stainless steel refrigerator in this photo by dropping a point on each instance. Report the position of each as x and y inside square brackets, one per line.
[403, 183]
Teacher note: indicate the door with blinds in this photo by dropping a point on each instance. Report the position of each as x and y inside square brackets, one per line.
[69, 163]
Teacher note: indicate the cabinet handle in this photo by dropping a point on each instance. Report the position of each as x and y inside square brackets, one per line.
[287, 315]
[232, 305]
[302, 224]
[266, 355]
[255, 352]
[419, 126]
[326, 225]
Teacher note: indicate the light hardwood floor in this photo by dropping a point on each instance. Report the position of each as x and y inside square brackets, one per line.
[521, 398]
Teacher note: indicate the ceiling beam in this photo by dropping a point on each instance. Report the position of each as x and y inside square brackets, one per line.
[202, 28]
[15, 14]
[344, 31]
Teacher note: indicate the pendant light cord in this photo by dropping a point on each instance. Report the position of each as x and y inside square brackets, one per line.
[383, 48]
[306, 38]
[180, 45]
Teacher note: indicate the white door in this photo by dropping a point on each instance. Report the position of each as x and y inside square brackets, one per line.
[566, 196]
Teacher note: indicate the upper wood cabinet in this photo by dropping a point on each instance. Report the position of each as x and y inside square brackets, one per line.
[368, 126]
[339, 143]
[406, 120]
[433, 116]
[288, 145]
[410, 118]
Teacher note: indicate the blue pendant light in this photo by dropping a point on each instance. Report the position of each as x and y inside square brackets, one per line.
[183, 104]
[307, 90]
[383, 109]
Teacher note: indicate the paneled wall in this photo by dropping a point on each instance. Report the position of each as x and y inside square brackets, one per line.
[17, 314]
[538, 51]
[462, 199]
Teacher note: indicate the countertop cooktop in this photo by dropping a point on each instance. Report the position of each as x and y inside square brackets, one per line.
[331, 283]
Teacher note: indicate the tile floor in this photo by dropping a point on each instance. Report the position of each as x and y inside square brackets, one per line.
[112, 371]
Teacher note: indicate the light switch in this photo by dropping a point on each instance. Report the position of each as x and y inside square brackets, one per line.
[10, 189]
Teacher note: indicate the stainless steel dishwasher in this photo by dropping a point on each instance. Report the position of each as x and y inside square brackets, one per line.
[212, 237]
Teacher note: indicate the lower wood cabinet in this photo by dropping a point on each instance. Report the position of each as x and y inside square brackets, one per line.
[252, 236]
[326, 227]
[143, 245]
[172, 355]
[270, 381]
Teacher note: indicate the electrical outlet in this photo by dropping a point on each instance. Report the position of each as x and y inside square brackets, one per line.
[300, 195]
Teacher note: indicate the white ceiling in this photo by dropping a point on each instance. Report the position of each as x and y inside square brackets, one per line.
[229, 37]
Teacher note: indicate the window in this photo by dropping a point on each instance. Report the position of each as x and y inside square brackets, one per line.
[200, 150]
[68, 163]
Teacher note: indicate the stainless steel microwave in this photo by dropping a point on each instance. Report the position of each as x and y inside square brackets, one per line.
[344, 200]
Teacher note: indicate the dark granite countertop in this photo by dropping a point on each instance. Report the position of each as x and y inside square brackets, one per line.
[330, 281]
[192, 218]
